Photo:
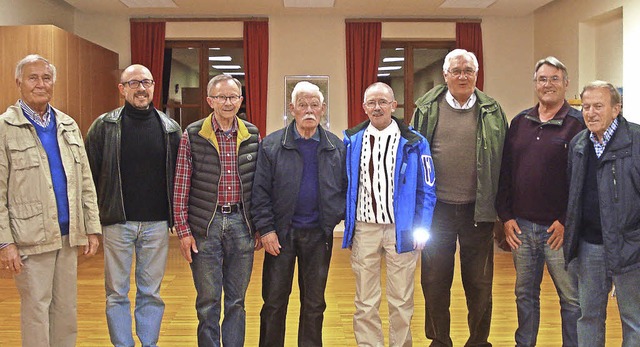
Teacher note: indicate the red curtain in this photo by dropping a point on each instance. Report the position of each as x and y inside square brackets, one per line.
[363, 54]
[256, 62]
[469, 37]
[147, 48]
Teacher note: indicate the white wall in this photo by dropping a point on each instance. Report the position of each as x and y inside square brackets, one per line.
[30, 12]
[562, 29]
[509, 62]
[111, 32]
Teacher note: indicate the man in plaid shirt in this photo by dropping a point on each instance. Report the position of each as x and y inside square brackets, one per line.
[214, 176]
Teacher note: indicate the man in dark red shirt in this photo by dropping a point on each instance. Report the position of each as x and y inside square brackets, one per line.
[214, 176]
[532, 200]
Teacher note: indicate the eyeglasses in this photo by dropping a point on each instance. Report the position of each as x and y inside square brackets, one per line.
[221, 99]
[304, 106]
[544, 79]
[458, 72]
[371, 104]
[135, 84]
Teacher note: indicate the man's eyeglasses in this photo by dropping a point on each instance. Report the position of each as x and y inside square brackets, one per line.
[544, 79]
[135, 84]
[221, 99]
[371, 104]
[458, 72]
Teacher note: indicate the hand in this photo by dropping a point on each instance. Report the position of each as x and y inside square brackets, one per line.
[92, 247]
[271, 244]
[419, 245]
[258, 242]
[557, 235]
[511, 227]
[10, 258]
[188, 244]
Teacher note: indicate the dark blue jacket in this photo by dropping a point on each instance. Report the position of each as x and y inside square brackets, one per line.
[277, 182]
[414, 195]
[619, 192]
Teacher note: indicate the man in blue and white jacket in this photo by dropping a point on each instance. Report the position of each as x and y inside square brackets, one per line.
[390, 201]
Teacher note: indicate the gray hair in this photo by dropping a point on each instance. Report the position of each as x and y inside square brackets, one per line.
[613, 91]
[459, 52]
[221, 78]
[551, 61]
[379, 84]
[306, 87]
[30, 59]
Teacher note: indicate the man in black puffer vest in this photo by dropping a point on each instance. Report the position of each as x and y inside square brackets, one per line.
[214, 176]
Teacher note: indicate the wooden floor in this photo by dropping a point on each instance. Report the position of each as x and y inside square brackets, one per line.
[179, 324]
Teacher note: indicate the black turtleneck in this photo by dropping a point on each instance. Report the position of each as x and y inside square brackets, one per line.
[143, 165]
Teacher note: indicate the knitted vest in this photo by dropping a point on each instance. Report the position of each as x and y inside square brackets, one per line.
[205, 176]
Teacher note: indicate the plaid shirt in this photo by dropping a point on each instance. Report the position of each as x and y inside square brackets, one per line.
[228, 185]
[599, 147]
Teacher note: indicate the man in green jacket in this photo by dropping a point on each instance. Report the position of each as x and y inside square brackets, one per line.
[466, 130]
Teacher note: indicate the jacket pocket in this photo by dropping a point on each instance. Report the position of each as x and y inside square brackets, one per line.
[24, 154]
[27, 223]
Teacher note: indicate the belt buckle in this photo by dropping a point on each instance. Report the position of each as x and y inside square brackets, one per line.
[225, 209]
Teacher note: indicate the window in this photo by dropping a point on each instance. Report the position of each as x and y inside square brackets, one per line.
[411, 68]
[193, 64]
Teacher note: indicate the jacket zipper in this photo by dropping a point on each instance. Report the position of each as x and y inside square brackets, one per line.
[118, 144]
[615, 182]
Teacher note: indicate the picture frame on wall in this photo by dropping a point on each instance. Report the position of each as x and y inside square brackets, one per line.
[321, 81]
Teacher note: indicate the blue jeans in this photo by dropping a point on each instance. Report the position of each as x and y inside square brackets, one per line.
[529, 260]
[594, 285]
[150, 240]
[223, 262]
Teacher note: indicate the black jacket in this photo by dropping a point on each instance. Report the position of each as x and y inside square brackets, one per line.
[277, 182]
[618, 178]
[103, 149]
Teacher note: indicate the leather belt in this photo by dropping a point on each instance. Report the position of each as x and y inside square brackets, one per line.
[228, 208]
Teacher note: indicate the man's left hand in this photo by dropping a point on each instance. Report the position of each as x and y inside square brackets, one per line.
[257, 242]
[91, 248]
[557, 235]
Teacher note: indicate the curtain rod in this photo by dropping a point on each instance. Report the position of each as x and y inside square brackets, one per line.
[414, 20]
[200, 19]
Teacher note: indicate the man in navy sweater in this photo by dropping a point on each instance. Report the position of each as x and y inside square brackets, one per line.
[298, 199]
[532, 200]
[47, 206]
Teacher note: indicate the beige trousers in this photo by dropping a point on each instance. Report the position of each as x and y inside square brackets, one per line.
[371, 244]
[48, 290]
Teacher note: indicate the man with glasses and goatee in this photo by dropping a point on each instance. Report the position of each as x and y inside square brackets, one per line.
[212, 203]
[132, 152]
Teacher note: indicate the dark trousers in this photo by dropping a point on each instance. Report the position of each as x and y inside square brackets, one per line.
[453, 223]
[312, 247]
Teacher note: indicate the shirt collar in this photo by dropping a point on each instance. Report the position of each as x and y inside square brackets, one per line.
[217, 128]
[29, 112]
[607, 134]
[456, 105]
[296, 134]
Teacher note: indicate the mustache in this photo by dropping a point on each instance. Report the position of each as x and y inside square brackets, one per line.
[142, 93]
[309, 116]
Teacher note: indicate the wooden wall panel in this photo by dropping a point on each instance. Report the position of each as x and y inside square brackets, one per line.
[87, 73]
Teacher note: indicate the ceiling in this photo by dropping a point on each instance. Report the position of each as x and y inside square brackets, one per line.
[347, 8]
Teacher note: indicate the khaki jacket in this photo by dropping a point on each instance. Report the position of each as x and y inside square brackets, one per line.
[28, 212]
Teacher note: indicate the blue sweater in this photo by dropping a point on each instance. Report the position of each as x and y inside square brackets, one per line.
[306, 214]
[49, 139]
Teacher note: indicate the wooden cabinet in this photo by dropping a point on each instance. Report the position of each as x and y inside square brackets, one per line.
[87, 74]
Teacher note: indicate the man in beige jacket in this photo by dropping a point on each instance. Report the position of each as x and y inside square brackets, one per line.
[47, 206]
